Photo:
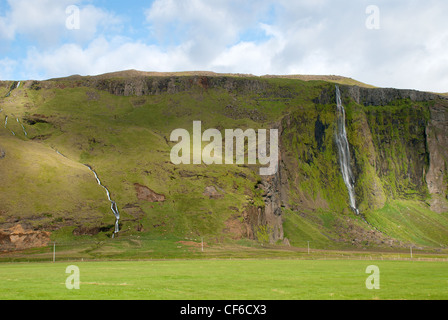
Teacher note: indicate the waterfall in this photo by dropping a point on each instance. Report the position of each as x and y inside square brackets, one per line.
[24, 131]
[6, 123]
[344, 152]
[113, 204]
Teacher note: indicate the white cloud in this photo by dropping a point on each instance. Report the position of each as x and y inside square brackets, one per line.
[209, 27]
[6, 29]
[103, 56]
[7, 67]
[44, 21]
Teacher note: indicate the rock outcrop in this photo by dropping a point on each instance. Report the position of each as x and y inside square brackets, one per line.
[266, 222]
[375, 96]
[383, 96]
[437, 144]
[17, 238]
[212, 193]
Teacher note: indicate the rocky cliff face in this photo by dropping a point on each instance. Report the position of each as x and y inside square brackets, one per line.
[140, 86]
[422, 133]
[437, 146]
[384, 96]
[275, 197]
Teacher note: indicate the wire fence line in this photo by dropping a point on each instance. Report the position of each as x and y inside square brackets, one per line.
[168, 248]
[198, 248]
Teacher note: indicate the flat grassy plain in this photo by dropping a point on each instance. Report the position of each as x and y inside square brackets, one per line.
[226, 279]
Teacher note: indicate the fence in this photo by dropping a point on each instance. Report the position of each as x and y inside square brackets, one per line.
[160, 248]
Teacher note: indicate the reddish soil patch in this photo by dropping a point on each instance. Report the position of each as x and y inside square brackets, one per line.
[144, 193]
[16, 238]
[192, 244]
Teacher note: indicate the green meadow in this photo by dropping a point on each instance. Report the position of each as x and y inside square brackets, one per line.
[240, 279]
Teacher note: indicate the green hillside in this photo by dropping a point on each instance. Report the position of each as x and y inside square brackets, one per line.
[120, 126]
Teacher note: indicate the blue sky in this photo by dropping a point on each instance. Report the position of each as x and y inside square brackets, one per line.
[405, 49]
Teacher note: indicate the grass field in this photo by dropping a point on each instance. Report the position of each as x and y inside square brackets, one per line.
[256, 279]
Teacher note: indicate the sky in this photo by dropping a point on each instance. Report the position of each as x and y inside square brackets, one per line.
[401, 43]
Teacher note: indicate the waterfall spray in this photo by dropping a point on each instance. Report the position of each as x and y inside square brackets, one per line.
[344, 152]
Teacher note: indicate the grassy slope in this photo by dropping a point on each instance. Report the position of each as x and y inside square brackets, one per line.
[412, 222]
[41, 187]
[124, 139]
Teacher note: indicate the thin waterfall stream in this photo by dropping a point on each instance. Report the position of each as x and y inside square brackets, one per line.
[6, 123]
[24, 131]
[113, 204]
[344, 152]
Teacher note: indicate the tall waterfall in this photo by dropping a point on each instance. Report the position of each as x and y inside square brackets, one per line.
[344, 152]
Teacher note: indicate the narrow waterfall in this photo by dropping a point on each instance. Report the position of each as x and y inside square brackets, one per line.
[24, 131]
[6, 123]
[113, 204]
[344, 152]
